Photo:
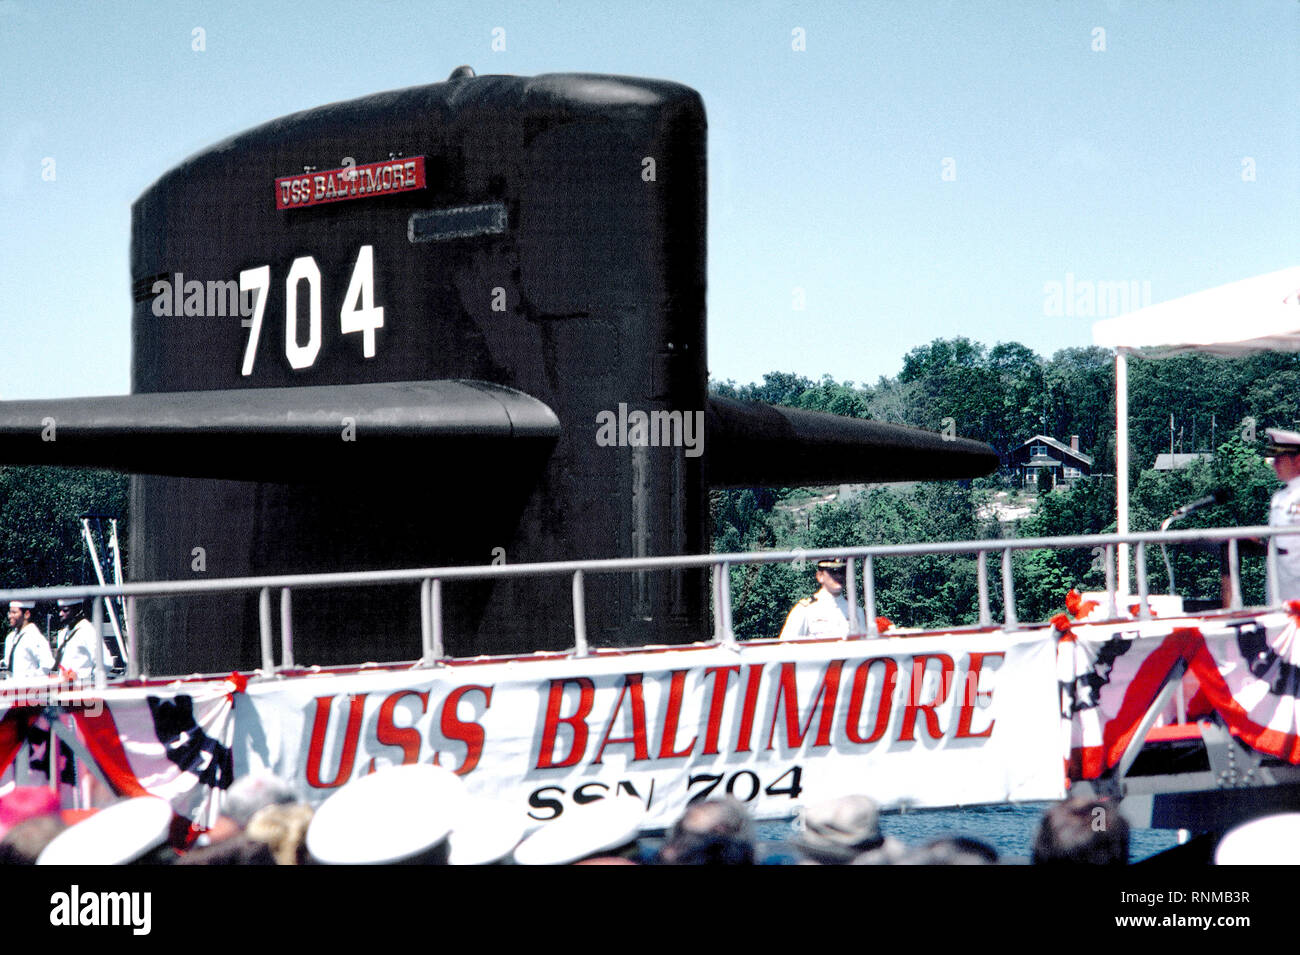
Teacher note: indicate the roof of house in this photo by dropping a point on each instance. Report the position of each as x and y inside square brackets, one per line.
[1042, 461]
[1063, 448]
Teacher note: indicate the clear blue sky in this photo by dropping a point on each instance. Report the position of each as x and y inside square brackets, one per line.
[1130, 163]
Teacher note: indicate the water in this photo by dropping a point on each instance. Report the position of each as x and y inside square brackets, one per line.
[1008, 829]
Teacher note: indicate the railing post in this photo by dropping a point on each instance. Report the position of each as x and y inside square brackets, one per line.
[1112, 606]
[1008, 592]
[426, 624]
[264, 620]
[579, 617]
[724, 580]
[132, 650]
[431, 650]
[437, 646]
[1144, 605]
[1270, 574]
[982, 576]
[851, 584]
[715, 572]
[1234, 576]
[286, 629]
[869, 594]
[96, 623]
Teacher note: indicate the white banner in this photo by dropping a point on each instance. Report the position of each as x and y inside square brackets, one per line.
[926, 722]
[942, 720]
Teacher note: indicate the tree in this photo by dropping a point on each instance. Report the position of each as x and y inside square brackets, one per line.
[1079, 398]
[40, 534]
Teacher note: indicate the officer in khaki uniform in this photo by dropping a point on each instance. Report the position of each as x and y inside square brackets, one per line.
[1284, 510]
[825, 613]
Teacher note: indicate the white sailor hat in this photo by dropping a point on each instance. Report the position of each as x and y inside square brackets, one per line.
[1268, 840]
[583, 830]
[22, 604]
[1283, 442]
[116, 835]
[486, 832]
[391, 815]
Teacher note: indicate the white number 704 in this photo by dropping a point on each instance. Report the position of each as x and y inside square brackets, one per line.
[358, 314]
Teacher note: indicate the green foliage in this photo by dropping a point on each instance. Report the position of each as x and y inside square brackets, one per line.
[40, 526]
[1004, 396]
[1043, 578]
[795, 391]
[1211, 400]
[928, 591]
[1237, 469]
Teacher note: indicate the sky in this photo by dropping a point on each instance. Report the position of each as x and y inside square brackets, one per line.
[881, 174]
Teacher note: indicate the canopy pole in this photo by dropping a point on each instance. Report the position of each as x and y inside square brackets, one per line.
[1121, 463]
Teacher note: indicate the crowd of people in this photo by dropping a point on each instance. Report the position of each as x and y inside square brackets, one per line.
[422, 814]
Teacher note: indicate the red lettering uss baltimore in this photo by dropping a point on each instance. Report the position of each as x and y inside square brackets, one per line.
[567, 727]
[349, 182]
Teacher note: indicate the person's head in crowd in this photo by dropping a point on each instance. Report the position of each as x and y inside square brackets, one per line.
[25, 841]
[21, 613]
[952, 850]
[26, 802]
[1082, 832]
[1285, 448]
[715, 832]
[284, 829]
[250, 793]
[71, 609]
[238, 850]
[837, 831]
[832, 575]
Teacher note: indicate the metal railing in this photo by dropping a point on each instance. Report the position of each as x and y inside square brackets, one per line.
[432, 579]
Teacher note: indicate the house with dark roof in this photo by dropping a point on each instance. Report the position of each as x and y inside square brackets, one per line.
[1063, 463]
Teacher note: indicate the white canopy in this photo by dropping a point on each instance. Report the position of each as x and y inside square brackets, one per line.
[1256, 314]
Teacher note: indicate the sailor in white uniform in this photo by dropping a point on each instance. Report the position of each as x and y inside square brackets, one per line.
[76, 639]
[1284, 510]
[27, 652]
[825, 613]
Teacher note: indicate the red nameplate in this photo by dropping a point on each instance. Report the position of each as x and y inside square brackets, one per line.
[350, 182]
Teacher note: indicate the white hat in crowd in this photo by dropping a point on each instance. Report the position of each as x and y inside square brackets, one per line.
[116, 835]
[392, 815]
[583, 830]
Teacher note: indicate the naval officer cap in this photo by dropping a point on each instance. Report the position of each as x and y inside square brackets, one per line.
[584, 830]
[1268, 840]
[834, 564]
[116, 835]
[1283, 442]
[395, 814]
[71, 601]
